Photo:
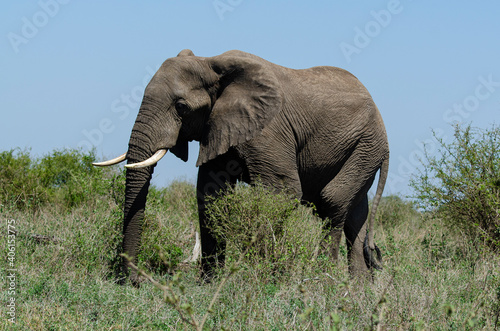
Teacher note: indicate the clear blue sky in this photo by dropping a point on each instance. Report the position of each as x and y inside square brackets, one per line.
[73, 72]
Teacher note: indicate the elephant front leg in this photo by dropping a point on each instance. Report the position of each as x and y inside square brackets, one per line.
[331, 243]
[214, 178]
[212, 251]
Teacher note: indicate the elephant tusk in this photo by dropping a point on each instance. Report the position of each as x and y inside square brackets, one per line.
[116, 160]
[195, 256]
[152, 160]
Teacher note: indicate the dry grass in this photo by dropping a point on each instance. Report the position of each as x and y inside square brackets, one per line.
[433, 278]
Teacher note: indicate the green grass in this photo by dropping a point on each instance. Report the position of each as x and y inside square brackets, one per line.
[434, 278]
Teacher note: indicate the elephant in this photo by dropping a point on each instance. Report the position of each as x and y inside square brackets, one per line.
[315, 132]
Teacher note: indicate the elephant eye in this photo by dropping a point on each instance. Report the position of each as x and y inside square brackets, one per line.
[181, 106]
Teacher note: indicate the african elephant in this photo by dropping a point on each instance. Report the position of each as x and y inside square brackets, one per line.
[315, 132]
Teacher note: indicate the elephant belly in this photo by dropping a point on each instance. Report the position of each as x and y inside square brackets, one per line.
[282, 160]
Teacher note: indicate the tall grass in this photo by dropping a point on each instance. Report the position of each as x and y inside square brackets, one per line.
[433, 278]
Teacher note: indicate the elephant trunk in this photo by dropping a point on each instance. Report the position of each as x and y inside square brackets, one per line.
[141, 147]
[145, 143]
[136, 190]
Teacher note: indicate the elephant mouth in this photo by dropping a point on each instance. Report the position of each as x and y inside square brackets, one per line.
[146, 163]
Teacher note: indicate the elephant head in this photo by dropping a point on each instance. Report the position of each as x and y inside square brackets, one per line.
[220, 101]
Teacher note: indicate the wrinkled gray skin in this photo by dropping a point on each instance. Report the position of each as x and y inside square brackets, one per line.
[316, 132]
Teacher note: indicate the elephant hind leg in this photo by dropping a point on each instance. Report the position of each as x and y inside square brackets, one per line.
[344, 205]
[355, 232]
[354, 228]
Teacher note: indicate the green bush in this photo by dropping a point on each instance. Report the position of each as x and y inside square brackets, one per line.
[63, 178]
[462, 183]
[393, 210]
[72, 204]
[287, 234]
[158, 251]
[18, 183]
[169, 213]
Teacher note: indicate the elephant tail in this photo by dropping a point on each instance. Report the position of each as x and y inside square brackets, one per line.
[369, 248]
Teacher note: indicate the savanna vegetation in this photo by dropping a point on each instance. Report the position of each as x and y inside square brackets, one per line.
[440, 250]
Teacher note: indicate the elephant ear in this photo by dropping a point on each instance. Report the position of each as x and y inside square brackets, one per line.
[248, 97]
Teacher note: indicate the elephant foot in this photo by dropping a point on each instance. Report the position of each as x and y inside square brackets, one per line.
[210, 265]
[207, 275]
[129, 273]
[136, 280]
